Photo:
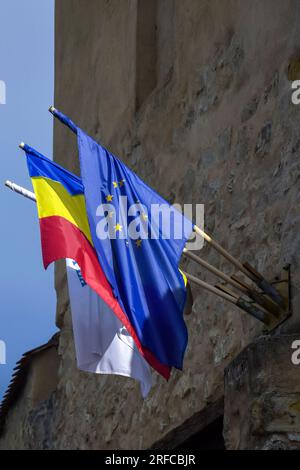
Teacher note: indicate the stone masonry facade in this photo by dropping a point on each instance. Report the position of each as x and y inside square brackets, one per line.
[195, 96]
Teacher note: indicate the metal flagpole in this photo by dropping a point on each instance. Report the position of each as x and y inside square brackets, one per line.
[18, 189]
[246, 269]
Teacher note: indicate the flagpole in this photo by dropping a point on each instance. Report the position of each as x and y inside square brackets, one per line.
[224, 252]
[215, 271]
[20, 190]
[239, 302]
[234, 282]
[63, 119]
[247, 270]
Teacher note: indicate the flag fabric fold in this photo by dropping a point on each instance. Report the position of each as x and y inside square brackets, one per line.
[65, 233]
[102, 343]
[141, 269]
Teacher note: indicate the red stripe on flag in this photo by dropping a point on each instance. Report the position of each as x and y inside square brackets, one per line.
[62, 239]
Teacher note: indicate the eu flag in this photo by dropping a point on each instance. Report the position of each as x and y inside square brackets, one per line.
[139, 240]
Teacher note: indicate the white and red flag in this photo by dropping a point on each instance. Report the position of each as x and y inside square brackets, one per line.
[102, 343]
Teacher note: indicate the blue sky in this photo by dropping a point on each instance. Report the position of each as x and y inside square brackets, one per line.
[27, 305]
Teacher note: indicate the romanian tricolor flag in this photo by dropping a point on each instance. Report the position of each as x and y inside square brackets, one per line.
[65, 233]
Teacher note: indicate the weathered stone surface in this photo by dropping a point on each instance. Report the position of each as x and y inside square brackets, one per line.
[262, 397]
[28, 423]
[217, 127]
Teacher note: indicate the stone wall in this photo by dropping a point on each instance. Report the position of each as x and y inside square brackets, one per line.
[262, 397]
[27, 423]
[202, 111]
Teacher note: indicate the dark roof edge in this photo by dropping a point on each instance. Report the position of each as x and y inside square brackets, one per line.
[19, 377]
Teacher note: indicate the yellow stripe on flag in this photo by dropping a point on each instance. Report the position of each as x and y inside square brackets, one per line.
[184, 277]
[54, 200]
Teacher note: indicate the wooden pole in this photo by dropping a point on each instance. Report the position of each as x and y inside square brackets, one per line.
[210, 288]
[239, 302]
[215, 271]
[259, 280]
[240, 299]
[241, 286]
[224, 253]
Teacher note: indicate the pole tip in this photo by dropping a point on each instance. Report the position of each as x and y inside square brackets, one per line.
[52, 109]
[22, 145]
[7, 183]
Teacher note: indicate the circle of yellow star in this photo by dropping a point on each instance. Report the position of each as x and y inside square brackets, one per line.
[138, 243]
[109, 198]
[118, 228]
[144, 216]
[110, 214]
[121, 183]
[115, 183]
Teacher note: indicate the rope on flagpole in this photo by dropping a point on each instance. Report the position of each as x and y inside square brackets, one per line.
[246, 269]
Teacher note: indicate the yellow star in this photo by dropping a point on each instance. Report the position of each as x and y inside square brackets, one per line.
[109, 198]
[115, 183]
[110, 214]
[138, 243]
[144, 216]
[121, 183]
[118, 228]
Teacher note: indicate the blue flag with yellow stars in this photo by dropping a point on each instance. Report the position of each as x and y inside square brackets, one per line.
[139, 240]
